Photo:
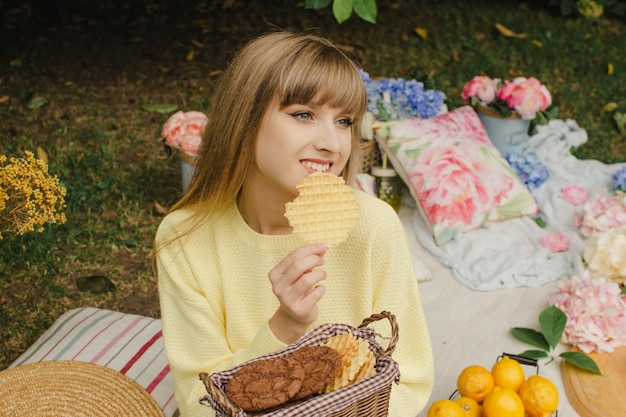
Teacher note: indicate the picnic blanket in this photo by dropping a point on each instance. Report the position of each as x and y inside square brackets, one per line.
[508, 254]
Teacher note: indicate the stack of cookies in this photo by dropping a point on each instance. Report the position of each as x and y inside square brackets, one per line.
[306, 372]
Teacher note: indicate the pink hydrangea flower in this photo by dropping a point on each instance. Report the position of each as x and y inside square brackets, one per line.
[575, 194]
[183, 130]
[556, 242]
[603, 212]
[596, 313]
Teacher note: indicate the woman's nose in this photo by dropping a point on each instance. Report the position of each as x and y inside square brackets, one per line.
[328, 137]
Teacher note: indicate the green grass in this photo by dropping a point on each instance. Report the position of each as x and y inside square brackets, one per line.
[99, 64]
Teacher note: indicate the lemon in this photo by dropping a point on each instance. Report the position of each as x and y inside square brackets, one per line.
[475, 382]
[508, 373]
[539, 396]
[503, 402]
[445, 408]
[470, 407]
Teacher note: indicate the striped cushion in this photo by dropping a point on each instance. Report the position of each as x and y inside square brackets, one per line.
[128, 343]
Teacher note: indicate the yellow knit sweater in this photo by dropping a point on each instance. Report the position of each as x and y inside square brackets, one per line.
[216, 298]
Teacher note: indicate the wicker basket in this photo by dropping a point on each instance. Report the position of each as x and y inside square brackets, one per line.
[368, 397]
[370, 155]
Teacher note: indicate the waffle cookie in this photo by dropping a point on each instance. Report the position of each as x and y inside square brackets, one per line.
[325, 211]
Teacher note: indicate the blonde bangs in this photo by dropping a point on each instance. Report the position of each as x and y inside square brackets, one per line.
[326, 76]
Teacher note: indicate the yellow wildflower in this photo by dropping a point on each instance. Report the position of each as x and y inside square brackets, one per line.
[29, 195]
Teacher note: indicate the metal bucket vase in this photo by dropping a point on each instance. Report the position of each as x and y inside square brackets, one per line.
[187, 165]
[507, 134]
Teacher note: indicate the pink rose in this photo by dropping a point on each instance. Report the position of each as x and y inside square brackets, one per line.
[556, 242]
[482, 87]
[184, 130]
[575, 194]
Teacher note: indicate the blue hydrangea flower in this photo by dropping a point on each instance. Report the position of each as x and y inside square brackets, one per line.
[397, 98]
[619, 180]
[529, 168]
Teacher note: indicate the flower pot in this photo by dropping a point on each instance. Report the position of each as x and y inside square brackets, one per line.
[187, 165]
[507, 134]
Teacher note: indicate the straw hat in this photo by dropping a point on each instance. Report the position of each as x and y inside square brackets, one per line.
[71, 389]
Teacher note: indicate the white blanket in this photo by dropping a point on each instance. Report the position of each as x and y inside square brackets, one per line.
[508, 254]
[470, 327]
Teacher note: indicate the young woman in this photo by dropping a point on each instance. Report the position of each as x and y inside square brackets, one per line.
[234, 282]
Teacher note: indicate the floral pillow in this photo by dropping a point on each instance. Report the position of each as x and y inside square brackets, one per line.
[459, 180]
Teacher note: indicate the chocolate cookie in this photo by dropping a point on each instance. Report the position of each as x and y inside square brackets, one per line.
[321, 364]
[265, 383]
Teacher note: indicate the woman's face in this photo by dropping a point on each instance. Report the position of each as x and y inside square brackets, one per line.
[298, 140]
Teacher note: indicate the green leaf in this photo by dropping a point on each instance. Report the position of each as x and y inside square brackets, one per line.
[530, 336]
[582, 361]
[342, 9]
[316, 4]
[160, 108]
[365, 9]
[552, 322]
[534, 354]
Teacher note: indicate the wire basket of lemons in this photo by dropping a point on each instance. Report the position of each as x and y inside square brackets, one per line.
[503, 391]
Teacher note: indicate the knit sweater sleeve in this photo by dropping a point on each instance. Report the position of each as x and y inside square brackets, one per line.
[396, 290]
[194, 331]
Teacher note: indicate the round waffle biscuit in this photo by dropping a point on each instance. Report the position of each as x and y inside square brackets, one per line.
[326, 209]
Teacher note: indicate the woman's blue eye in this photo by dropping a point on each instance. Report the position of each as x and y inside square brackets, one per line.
[346, 122]
[302, 115]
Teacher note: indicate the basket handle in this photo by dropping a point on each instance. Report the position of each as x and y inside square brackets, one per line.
[218, 395]
[394, 329]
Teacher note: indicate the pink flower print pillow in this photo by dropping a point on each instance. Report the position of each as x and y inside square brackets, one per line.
[458, 179]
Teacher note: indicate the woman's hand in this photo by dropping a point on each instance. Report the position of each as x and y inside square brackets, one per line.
[295, 282]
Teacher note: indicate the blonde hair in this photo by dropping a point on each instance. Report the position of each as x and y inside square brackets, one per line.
[293, 67]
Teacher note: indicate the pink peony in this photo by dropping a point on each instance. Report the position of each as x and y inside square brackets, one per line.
[575, 194]
[603, 212]
[184, 130]
[556, 242]
[596, 313]
[451, 180]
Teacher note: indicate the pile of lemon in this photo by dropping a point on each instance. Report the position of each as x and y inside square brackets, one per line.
[502, 392]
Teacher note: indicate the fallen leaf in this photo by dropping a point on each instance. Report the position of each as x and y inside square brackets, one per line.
[80, 157]
[422, 33]
[37, 102]
[69, 83]
[215, 73]
[141, 154]
[479, 36]
[163, 69]
[537, 43]
[160, 209]
[109, 214]
[609, 107]
[504, 31]
[4, 98]
[197, 43]
[191, 54]
[42, 154]
[610, 68]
